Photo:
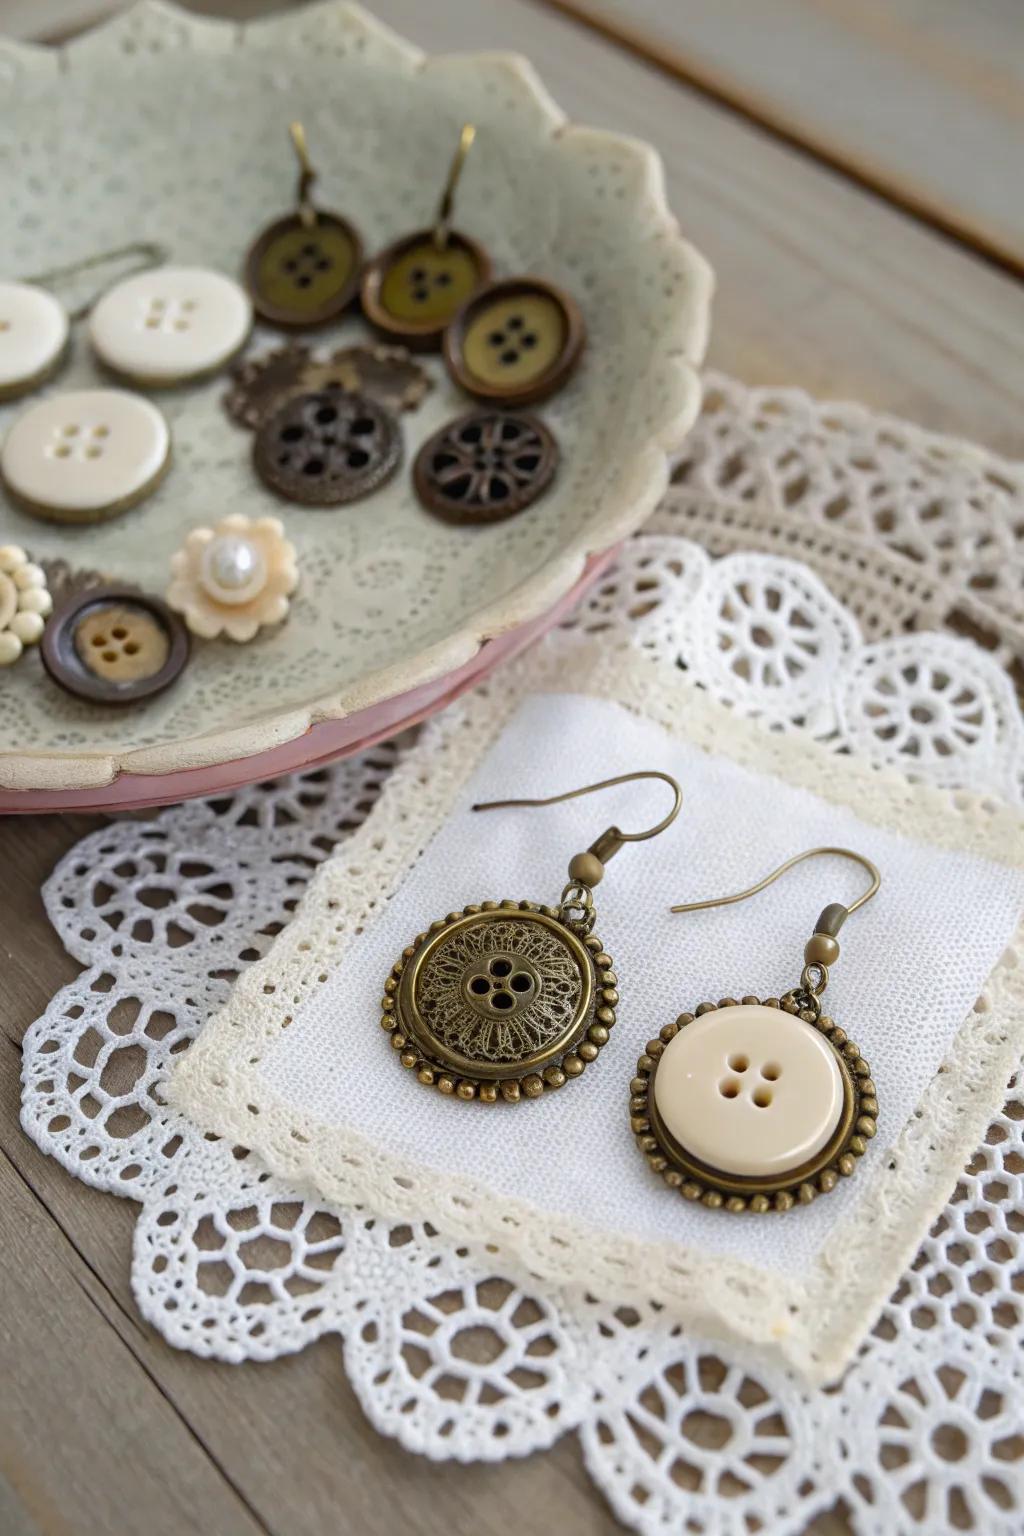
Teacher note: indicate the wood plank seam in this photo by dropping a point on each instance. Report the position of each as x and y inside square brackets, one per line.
[759, 113]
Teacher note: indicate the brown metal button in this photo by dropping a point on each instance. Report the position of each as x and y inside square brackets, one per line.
[387, 374]
[485, 466]
[113, 645]
[515, 342]
[413, 289]
[300, 273]
[327, 447]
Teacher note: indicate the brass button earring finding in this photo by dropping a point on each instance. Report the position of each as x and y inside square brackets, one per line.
[758, 1105]
[303, 270]
[412, 289]
[512, 998]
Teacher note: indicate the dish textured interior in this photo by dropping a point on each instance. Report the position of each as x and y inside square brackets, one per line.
[160, 126]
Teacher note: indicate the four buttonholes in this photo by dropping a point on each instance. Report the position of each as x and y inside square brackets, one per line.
[169, 314]
[510, 347]
[74, 442]
[308, 261]
[501, 984]
[730, 1087]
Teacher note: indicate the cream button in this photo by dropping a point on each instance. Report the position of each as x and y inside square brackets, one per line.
[33, 335]
[85, 455]
[749, 1090]
[170, 324]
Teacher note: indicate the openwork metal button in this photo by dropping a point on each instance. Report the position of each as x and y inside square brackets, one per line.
[113, 645]
[414, 287]
[502, 999]
[485, 466]
[326, 448]
[516, 342]
[753, 1106]
[387, 374]
[301, 273]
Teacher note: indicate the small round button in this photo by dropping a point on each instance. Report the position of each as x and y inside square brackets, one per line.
[304, 274]
[170, 324]
[516, 341]
[113, 645]
[85, 456]
[749, 1090]
[328, 447]
[486, 466]
[412, 289]
[33, 337]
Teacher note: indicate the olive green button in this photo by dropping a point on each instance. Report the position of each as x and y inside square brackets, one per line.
[516, 342]
[413, 289]
[300, 274]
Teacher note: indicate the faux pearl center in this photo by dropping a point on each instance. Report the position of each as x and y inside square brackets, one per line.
[232, 569]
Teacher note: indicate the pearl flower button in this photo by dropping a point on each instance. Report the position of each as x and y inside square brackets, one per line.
[234, 578]
[25, 603]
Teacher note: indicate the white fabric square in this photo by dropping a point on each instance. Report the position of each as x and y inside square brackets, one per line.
[298, 1066]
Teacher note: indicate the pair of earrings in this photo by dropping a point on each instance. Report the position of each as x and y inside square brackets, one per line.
[751, 1104]
[513, 341]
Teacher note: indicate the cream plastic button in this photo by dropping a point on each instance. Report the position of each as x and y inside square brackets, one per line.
[749, 1090]
[86, 455]
[33, 335]
[170, 324]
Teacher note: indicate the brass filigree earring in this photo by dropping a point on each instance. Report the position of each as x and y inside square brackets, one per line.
[511, 998]
[758, 1105]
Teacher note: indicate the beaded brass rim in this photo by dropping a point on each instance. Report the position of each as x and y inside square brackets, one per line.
[501, 1000]
[738, 1193]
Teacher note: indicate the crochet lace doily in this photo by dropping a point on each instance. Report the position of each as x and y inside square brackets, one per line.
[449, 1351]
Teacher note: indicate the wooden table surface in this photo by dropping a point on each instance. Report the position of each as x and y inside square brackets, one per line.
[852, 169]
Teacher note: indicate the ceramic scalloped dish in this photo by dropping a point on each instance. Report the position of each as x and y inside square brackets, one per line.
[393, 602]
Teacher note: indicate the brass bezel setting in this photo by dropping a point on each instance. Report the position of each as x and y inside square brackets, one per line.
[551, 1068]
[737, 1193]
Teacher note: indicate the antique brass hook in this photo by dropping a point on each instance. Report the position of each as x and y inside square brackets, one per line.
[149, 252]
[822, 948]
[442, 226]
[587, 868]
[307, 175]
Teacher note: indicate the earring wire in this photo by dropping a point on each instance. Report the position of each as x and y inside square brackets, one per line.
[612, 839]
[811, 853]
[307, 174]
[442, 227]
[149, 252]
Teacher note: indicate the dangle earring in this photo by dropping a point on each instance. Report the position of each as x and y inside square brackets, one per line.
[756, 1105]
[511, 997]
[412, 289]
[35, 326]
[303, 270]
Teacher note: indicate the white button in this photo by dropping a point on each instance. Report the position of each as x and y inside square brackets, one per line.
[33, 335]
[170, 324]
[84, 455]
[749, 1090]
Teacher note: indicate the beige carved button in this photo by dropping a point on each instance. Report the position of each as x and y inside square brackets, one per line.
[517, 341]
[112, 645]
[414, 288]
[749, 1090]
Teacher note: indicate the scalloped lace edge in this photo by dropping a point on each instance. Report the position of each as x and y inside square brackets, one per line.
[814, 1322]
[642, 484]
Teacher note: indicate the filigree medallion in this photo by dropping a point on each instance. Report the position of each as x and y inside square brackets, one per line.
[502, 998]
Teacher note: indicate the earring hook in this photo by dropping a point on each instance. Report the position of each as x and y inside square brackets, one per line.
[811, 853]
[611, 840]
[149, 252]
[307, 175]
[822, 948]
[442, 227]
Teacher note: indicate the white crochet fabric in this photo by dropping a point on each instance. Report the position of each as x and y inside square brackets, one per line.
[233, 1263]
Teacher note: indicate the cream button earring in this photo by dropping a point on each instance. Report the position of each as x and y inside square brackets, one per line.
[511, 998]
[757, 1105]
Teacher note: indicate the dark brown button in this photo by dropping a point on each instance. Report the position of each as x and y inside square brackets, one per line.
[304, 274]
[413, 289]
[515, 342]
[113, 645]
[387, 374]
[328, 447]
[485, 466]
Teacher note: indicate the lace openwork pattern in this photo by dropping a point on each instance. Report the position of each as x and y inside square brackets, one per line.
[450, 1351]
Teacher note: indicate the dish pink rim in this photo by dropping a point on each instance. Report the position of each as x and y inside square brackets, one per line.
[320, 744]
